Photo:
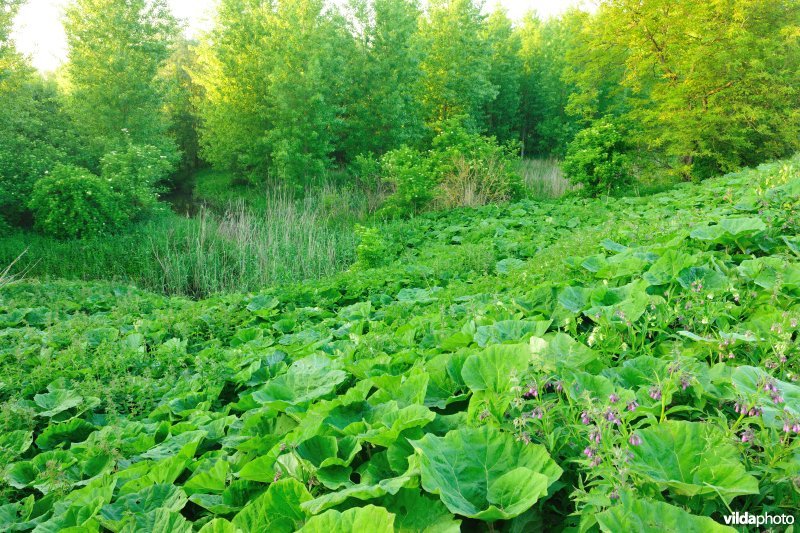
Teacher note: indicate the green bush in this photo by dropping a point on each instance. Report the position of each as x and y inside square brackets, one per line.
[461, 168]
[71, 202]
[135, 173]
[596, 159]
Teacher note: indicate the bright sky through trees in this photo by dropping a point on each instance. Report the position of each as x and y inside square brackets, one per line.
[38, 31]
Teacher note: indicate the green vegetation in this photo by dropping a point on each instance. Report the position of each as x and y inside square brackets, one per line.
[579, 363]
[394, 266]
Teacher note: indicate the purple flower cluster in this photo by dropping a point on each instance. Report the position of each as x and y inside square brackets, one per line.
[771, 388]
[655, 393]
[743, 409]
[612, 416]
[532, 392]
[635, 440]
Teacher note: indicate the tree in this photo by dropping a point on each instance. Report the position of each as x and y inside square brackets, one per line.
[455, 68]
[35, 133]
[712, 85]
[116, 48]
[180, 97]
[381, 110]
[505, 70]
[270, 73]
[547, 127]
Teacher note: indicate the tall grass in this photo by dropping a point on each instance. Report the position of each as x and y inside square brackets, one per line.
[239, 248]
[544, 178]
[245, 249]
[8, 275]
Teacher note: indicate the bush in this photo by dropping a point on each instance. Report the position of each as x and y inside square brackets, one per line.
[409, 171]
[135, 173]
[462, 168]
[596, 159]
[71, 202]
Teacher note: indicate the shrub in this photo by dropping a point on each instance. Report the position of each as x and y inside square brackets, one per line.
[462, 168]
[596, 159]
[409, 172]
[135, 173]
[71, 202]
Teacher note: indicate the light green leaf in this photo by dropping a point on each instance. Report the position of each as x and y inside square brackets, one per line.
[692, 459]
[368, 518]
[646, 516]
[466, 468]
[277, 510]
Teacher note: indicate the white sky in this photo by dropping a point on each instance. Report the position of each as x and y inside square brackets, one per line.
[38, 31]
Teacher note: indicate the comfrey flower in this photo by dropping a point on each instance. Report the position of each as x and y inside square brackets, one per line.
[748, 436]
[538, 412]
[613, 398]
[589, 452]
[612, 417]
[595, 435]
[532, 392]
[655, 393]
[585, 418]
[632, 405]
[635, 440]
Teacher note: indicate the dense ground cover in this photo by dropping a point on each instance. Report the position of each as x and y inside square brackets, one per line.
[624, 363]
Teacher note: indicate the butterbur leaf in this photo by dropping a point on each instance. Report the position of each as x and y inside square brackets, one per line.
[418, 513]
[306, 380]
[559, 352]
[75, 430]
[158, 521]
[146, 500]
[692, 459]
[210, 479]
[218, 525]
[277, 510]
[369, 518]
[56, 401]
[13, 444]
[641, 515]
[510, 331]
[473, 470]
[490, 369]
[374, 485]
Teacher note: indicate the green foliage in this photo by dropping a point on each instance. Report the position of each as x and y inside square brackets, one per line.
[461, 168]
[116, 50]
[704, 104]
[71, 202]
[452, 36]
[135, 173]
[597, 159]
[381, 108]
[622, 365]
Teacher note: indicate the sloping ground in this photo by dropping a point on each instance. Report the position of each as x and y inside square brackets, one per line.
[622, 364]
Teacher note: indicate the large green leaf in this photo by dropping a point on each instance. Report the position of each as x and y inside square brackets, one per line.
[491, 369]
[278, 509]
[308, 379]
[146, 500]
[418, 513]
[75, 430]
[510, 331]
[647, 516]
[56, 401]
[484, 473]
[692, 459]
[369, 518]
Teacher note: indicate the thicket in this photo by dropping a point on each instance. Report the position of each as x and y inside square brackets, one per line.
[692, 90]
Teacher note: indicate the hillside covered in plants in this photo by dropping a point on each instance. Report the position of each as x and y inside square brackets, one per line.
[621, 364]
